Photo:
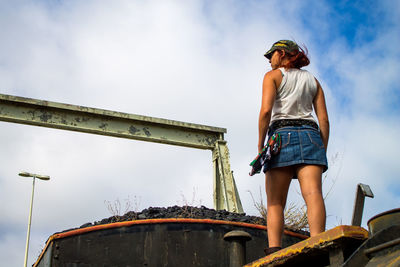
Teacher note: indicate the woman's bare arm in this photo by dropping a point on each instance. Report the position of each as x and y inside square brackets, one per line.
[322, 114]
[271, 82]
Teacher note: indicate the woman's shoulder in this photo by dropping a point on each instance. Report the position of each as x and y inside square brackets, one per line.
[273, 76]
[273, 73]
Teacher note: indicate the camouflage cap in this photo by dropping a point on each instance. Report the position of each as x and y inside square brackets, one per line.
[286, 45]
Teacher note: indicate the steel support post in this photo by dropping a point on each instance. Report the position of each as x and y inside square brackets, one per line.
[336, 257]
[226, 195]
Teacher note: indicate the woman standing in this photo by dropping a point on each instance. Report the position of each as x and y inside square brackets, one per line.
[288, 98]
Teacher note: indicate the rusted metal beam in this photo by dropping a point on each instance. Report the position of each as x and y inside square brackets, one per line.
[117, 124]
[105, 122]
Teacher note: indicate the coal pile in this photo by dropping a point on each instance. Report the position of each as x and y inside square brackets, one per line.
[184, 212]
[181, 212]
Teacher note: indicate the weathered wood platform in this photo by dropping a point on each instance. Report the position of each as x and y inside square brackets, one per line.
[330, 248]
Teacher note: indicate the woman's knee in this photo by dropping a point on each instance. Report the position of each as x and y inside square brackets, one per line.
[313, 197]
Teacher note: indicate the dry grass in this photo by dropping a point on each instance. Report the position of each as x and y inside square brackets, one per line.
[296, 217]
[117, 209]
[259, 205]
[188, 206]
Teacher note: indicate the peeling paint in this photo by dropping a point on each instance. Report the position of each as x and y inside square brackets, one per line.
[32, 113]
[146, 131]
[208, 140]
[81, 119]
[103, 126]
[45, 116]
[133, 130]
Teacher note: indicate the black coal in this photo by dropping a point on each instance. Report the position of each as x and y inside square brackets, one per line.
[180, 212]
[183, 212]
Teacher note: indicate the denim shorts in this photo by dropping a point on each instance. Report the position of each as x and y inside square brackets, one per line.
[300, 145]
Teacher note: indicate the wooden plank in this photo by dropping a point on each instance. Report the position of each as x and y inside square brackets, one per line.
[317, 246]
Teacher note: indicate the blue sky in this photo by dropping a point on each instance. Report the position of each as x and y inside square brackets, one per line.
[192, 61]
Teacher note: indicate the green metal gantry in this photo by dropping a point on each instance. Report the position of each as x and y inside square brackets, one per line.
[111, 123]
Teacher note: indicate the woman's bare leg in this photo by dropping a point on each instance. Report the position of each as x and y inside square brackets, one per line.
[277, 182]
[310, 177]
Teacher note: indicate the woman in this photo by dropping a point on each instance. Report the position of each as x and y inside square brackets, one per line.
[288, 98]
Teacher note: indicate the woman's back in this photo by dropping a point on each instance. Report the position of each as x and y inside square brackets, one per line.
[294, 96]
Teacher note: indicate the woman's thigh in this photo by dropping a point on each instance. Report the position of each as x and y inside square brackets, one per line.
[277, 184]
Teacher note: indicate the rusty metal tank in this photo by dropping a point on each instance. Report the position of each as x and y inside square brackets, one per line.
[156, 242]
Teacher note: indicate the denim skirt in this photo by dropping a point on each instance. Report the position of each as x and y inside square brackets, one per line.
[300, 145]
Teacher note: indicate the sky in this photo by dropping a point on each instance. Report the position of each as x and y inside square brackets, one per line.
[192, 61]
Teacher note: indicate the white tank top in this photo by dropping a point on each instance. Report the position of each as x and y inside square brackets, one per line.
[295, 95]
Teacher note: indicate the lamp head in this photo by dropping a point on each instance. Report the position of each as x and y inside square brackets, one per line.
[41, 177]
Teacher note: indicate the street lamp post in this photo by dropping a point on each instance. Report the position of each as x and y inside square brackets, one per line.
[41, 177]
